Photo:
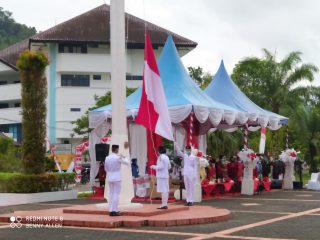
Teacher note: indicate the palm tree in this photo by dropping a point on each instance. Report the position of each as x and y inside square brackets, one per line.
[305, 130]
[271, 83]
[224, 143]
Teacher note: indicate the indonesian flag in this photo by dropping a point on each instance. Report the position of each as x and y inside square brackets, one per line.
[153, 111]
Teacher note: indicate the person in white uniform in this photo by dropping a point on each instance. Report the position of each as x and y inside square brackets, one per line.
[189, 172]
[162, 168]
[112, 166]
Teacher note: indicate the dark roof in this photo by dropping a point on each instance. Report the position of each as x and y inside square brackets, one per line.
[93, 26]
[9, 56]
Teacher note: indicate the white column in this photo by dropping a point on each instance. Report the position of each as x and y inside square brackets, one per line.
[288, 172]
[247, 185]
[118, 83]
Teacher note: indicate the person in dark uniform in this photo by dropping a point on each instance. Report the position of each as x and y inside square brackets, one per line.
[266, 167]
[134, 168]
[278, 168]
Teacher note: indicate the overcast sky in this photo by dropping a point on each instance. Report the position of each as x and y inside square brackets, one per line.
[223, 29]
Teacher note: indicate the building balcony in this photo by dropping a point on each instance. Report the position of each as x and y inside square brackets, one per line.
[10, 115]
[10, 92]
[74, 62]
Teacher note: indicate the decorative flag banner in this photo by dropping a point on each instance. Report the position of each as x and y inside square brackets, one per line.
[54, 155]
[153, 111]
[78, 159]
[263, 137]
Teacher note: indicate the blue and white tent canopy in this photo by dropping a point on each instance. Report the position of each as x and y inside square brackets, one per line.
[224, 90]
[183, 97]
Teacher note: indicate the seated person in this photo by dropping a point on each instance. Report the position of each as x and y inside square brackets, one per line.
[220, 168]
[211, 169]
[102, 174]
[232, 169]
[239, 169]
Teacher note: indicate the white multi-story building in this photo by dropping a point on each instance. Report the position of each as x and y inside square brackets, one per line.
[80, 66]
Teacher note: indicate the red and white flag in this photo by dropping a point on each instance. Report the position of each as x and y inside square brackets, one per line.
[153, 111]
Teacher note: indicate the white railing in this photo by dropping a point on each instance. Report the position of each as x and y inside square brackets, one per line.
[77, 62]
[10, 115]
[10, 92]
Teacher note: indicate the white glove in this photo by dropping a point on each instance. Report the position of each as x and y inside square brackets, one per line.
[153, 167]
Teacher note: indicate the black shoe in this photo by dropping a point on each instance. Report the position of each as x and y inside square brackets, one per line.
[190, 204]
[163, 207]
[111, 214]
[117, 214]
[187, 204]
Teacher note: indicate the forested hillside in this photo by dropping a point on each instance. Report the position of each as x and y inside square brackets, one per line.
[12, 32]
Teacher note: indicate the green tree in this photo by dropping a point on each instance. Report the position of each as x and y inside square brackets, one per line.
[82, 124]
[271, 83]
[224, 143]
[9, 156]
[31, 67]
[304, 132]
[12, 32]
[206, 80]
[203, 79]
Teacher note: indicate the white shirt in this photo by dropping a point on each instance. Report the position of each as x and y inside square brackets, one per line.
[112, 165]
[163, 166]
[189, 163]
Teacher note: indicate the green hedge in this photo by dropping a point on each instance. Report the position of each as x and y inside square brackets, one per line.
[32, 183]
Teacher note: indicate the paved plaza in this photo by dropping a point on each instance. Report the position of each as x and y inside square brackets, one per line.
[271, 215]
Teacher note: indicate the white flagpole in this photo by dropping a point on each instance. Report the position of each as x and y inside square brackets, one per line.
[118, 88]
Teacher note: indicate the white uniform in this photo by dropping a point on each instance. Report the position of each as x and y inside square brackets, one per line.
[112, 166]
[189, 173]
[162, 167]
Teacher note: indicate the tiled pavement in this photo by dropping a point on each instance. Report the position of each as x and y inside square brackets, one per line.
[245, 211]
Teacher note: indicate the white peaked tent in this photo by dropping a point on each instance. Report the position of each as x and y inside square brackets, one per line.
[224, 90]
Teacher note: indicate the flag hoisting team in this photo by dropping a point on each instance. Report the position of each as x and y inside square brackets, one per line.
[189, 172]
[113, 166]
[162, 168]
[154, 115]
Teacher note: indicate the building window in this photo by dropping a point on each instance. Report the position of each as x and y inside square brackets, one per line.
[14, 129]
[134, 77]
[75, 109]
[96, 77]
[93, 45]
[75, 80]
[3, 82]
[16, 81]
[4, 105]
[17, 104]
[72, 48]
